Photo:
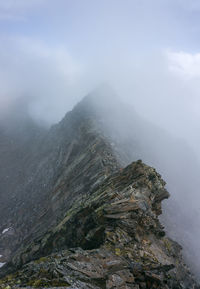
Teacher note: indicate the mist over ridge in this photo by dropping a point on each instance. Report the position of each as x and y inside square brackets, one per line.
[123, 74]
[133, 137]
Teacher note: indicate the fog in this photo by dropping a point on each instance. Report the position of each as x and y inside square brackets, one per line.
[53, 53]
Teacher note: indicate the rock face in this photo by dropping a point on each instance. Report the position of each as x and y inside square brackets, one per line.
[60, 165]
[117, 239]
[78, 219]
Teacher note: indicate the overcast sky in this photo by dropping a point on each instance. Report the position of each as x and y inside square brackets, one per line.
[55, 51]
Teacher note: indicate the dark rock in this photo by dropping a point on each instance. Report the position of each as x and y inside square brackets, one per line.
[124, 256]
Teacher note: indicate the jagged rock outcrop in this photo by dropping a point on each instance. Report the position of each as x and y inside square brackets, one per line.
[117, 241]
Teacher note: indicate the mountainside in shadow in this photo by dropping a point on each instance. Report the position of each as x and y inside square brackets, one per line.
[73, 216]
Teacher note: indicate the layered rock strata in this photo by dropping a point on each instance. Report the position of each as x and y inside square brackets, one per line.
[111, 238]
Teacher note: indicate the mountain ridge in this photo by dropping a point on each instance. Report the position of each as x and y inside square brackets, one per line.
[67, 165]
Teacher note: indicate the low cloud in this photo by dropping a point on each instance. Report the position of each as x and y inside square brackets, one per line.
[163, 87]
[48, 76]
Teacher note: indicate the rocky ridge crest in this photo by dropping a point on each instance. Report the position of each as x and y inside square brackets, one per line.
[110, 239]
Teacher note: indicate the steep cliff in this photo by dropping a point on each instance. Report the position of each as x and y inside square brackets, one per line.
[77, 218]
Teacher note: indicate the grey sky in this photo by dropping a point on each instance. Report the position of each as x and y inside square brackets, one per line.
[56, 51]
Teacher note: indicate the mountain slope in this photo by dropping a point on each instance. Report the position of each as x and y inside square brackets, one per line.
[59, 203]
[62, 164]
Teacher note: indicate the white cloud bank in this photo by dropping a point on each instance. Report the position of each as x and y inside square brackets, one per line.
[47, 75]
[184, 64]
